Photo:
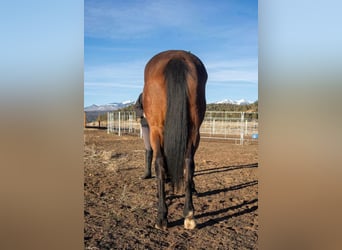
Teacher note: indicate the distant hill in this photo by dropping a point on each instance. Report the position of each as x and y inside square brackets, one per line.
[238, 102]
[94, 111]
[108, 107]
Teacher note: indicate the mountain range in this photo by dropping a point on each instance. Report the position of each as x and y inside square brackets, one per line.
[230, 101]
[118, 105]
[108, 107]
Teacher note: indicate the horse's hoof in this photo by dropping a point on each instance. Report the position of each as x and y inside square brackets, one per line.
[189, 223]
[161, 225]
[146, 177]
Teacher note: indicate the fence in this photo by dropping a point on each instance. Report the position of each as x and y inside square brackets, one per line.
[240, 127]
[122, 123]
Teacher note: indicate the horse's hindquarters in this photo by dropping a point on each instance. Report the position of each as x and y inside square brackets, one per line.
[174, 105]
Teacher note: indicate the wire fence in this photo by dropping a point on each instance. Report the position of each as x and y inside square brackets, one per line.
[240, 127]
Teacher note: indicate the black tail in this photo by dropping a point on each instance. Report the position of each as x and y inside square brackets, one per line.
[177, 119]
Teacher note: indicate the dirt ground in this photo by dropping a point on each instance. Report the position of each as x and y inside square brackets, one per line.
[120, 208]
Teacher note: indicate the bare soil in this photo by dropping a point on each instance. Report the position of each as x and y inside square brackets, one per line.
[120, 208]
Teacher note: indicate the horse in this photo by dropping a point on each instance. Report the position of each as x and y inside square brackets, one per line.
[174, 106]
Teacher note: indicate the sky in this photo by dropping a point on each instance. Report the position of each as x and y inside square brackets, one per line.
[121, 36]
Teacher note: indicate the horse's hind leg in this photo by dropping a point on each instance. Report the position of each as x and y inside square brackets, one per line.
[189, 221]
[161, 222]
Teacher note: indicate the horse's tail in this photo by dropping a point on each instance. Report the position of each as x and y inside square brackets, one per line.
[177, 119]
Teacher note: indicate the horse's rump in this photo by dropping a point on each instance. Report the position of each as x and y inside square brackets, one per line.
[174, 102]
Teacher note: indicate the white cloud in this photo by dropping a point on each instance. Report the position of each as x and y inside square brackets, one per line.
[233, 70]
[135, 20]
[116, 72]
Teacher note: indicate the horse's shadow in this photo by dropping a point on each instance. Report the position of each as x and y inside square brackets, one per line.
[224, 169]
[212, 221]
[250, 206]
[231, 188]
[214, 216]
[218, 170]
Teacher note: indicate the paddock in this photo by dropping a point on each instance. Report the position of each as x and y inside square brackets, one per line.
[119, 207]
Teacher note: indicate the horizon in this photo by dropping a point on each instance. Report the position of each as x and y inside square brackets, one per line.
[120, 38]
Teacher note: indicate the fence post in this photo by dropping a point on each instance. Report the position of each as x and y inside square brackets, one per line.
[242, 128]
[108, 125]
[119, 123]
[246, 127]
[214, 127]
[131, 120]
[85, 119]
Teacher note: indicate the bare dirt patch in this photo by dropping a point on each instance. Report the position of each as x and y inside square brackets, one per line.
[120, 208]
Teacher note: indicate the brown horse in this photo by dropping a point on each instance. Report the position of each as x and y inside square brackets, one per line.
[174, 104]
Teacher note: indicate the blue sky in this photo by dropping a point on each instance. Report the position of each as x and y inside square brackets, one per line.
[121, 36]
